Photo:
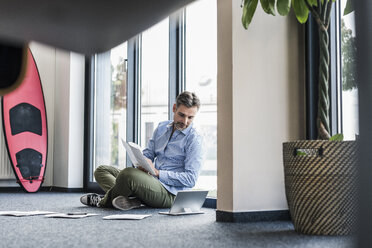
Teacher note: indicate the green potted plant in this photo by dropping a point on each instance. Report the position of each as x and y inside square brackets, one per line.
[319, 174]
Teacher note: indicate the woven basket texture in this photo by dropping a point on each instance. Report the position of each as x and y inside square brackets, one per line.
[320, 185]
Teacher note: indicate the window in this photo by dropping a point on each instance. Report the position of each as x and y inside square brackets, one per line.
[349, 96]
[201, 78]
[109, 107]
[343, 89]
[154, 79]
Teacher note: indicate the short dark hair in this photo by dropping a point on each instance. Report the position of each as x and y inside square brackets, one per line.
[189, 99]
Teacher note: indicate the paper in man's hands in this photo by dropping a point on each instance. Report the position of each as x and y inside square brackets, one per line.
[136, 156]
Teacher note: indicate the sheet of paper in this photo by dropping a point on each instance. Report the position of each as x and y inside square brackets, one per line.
[69, 216]
[136, 156]
[24, 213]
[126, 216]
[141, 159]
[130, 153]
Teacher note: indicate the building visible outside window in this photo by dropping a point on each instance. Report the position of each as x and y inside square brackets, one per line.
[110, 99]
[350, 118]
[201, 78]
[154, 79]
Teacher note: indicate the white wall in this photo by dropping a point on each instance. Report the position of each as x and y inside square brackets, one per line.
[61, 110]
[76, 122]
[69, 120]
[225, 159]
[261, 105]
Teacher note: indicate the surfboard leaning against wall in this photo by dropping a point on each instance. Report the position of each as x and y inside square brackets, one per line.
[25, 128]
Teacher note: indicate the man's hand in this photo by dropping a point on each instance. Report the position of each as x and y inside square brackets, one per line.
[153, 167]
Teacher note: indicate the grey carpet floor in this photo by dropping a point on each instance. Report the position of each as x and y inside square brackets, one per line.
[155, 231]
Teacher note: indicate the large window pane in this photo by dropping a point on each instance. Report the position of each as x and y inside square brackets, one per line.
[110, 107]
[350, 118]
[154, 79]
[201, 73]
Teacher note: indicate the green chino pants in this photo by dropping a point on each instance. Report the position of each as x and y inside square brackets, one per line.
[132, 182]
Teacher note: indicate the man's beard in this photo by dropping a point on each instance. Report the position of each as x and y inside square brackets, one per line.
[179, 126]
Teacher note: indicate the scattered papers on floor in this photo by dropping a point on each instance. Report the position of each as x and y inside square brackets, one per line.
[24, 213]
[70, 215]
[126, 216]
[73, 215]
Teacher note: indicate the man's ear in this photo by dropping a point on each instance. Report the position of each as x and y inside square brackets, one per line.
[174, 108]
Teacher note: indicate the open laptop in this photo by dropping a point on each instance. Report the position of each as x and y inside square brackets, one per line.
[187, 202]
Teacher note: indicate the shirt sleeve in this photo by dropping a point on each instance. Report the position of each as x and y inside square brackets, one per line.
[193, 162]
[149, 151]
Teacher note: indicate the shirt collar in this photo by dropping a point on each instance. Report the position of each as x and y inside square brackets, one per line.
[185, 131]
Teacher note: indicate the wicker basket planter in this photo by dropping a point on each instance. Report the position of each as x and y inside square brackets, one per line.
[320, 185]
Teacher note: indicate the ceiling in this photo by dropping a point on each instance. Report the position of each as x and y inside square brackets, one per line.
[83, 26]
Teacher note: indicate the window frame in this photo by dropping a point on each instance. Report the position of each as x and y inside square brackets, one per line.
[133, 90]
[340, 94]
[88, 184]
[177, 58]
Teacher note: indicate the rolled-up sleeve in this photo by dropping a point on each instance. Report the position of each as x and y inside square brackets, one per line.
[193, 163]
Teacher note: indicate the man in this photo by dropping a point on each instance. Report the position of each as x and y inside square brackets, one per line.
[174, 152]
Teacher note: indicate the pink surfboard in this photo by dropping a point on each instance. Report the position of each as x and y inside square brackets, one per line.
[25, 129]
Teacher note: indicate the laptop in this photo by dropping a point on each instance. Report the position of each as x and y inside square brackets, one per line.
[187, 202]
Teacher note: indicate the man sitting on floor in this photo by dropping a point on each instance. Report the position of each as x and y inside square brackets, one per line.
[176, 150]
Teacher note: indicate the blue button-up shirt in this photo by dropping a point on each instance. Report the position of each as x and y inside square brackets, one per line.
[178, 158]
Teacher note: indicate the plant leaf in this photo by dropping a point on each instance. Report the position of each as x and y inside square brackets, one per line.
[301, 10]
[272, 6]
[248, 11]
[349, 7]
[337, 137]
[313, 2]
[268, 6]
[283, 7]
